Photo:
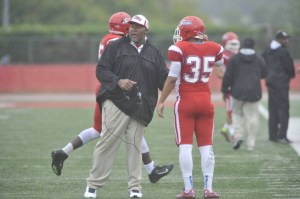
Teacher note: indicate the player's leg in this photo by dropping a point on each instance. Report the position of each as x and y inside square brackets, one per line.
[238, 118]
[186, 165]
[204, 134]
[155, 172]
[228, 130]
[60, 155]
[87, 135]
[208, 165]
[184, 129]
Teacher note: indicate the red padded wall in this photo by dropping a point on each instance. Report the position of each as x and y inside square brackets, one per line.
[69, 78]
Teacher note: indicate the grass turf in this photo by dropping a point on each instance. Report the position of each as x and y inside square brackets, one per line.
[28, 135]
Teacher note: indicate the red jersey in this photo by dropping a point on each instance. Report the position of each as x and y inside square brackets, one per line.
[226, 56]
[105, 40]
[193, 110]
[97, 111]
[228, 102]
[197, 61]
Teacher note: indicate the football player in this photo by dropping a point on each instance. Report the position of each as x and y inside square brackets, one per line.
[192, 59]
[231, 44]
[118, 27]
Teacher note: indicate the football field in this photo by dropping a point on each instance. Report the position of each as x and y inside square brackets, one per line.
[29, 134]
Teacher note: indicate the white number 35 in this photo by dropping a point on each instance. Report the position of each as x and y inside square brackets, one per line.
[200, 69]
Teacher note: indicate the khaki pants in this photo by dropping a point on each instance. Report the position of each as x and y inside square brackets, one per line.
[245, 113]
[115, 126]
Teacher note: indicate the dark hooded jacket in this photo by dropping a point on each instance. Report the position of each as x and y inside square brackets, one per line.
[243, 75]
[280, 66]
[121, 60]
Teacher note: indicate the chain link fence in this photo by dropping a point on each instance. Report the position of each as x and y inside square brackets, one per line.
[84, 49]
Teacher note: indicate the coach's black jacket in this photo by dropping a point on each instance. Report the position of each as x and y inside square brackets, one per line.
[121, 60]
[243, 75]
[280, 66]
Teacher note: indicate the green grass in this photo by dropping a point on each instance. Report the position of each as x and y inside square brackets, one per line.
[29, 135]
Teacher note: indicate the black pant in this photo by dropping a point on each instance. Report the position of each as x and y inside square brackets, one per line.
[278, 111]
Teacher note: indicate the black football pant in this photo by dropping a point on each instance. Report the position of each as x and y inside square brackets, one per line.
[278, 112]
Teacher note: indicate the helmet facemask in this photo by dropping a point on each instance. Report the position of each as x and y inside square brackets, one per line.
[199, 36]
[232, 46]
[176, 36]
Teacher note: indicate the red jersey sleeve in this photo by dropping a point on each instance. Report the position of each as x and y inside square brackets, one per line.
[104, 42]
[174, 53]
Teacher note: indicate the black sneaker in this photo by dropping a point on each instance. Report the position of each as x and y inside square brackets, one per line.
[58, 158]
[284, 140]
[237, 143]
[273, 140]
[159, 172]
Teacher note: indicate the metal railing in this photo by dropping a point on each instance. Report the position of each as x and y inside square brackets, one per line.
[84, 49]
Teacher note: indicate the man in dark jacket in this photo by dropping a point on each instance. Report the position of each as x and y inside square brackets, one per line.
[242, 78]
[280, 71]
[131, 70]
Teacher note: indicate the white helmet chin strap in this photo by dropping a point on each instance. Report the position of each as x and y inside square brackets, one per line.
[199, 37]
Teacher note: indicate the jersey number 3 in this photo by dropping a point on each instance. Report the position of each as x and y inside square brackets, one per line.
[200, 69]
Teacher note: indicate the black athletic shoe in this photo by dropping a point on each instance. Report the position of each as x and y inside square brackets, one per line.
[273, 140]
[159, 172]
[284, 140]
[58, 158]
[237, 143]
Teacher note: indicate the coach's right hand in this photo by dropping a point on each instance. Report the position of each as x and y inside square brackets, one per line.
[126, 84]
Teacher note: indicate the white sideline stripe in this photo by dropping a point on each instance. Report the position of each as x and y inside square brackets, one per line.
[51, 97]
[263, 111]
[293, 134]
[6, 105]
[294, 124]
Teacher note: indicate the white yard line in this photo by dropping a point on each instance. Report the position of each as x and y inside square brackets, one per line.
[293, 133]
[48, 97]
[263, 111]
